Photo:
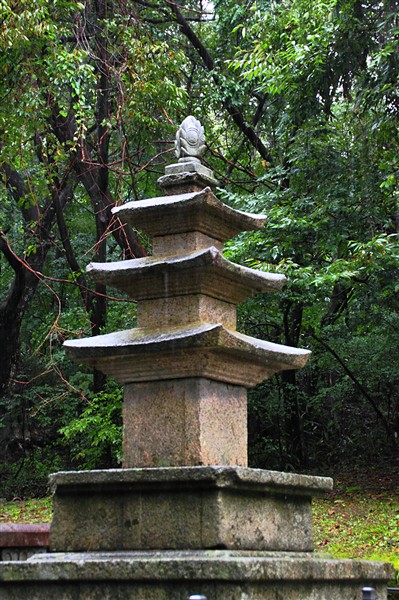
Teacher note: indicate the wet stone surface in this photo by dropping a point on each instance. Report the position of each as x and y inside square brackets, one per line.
[177, 575]
[197, 507]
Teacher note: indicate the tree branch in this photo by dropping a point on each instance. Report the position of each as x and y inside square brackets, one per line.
[66, 244]
[88, 172]
[17, 188]
[10, 256]
[357, 383]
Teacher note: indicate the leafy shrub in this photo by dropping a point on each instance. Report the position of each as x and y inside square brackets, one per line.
[95, 437]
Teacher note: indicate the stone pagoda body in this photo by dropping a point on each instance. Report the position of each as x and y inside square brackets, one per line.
[185, 514]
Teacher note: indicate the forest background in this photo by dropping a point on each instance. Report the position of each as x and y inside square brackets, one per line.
[300, 103]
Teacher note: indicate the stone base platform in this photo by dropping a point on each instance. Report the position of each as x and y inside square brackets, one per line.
[217, 574]
[186, 508]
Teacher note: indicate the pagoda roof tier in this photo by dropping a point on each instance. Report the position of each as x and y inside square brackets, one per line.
[203, 350]
[201, 272]
[182, 213]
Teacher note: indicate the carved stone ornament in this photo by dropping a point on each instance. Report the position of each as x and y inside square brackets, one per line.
[190, 140]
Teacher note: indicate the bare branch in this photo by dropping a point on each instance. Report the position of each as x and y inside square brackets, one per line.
[357, 383]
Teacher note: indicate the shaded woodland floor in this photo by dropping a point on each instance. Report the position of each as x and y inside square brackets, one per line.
[359, 519]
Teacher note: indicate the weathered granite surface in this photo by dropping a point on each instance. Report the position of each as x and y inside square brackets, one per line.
[189, 166]
[190, 421]
[180, 310]
[188, 507]
[186, 182]
[181, 213]
[184, 367]
[205, 350]
[201, 272]
[220, 477]
[24, 534]
[190, 141]
[188, 173]
[167, 245]
[216, 574]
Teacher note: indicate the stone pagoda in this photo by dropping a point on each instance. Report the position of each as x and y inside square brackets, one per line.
[185, 514]
[185, 368]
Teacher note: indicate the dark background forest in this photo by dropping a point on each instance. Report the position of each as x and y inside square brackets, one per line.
[300, 104]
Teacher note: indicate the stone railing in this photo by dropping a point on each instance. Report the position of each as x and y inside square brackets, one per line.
[19, 541]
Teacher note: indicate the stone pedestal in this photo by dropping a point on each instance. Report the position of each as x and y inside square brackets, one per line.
[228, 533]
[217, 574]
[184, 508]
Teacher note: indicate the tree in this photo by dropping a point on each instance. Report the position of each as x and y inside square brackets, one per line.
[78, 78]
[308, 128]
[333, 212]
[64, 131]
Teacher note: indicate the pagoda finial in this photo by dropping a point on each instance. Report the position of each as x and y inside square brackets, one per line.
[188, 174]
[190, 140]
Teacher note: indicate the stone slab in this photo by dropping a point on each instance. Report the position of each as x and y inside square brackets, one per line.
[194, 211]
[216, 574]
[203, 350]
[185, 182]
[183, 422]
[21, 552]
[18, 541]
[201, 272]
[189, 166]
[182, 508]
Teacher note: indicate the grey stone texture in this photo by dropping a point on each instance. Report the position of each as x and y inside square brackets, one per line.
[178, 311]
[186, 341]
[203, 350]
[202, 422]
[189, 166]
[21, 553]
[188, 212]
[18, 541]
[186, 182]
[182, 508]
[219, 575]
[169, 245]
[190, 141]
[202, 272]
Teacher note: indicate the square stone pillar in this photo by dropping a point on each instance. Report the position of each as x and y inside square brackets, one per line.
[190, 421]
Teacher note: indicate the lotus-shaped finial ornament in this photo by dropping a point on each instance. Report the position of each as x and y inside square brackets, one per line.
[190, 140]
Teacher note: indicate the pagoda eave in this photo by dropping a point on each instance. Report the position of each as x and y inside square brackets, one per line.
[194, 211]
[205, 350]
[202, 272]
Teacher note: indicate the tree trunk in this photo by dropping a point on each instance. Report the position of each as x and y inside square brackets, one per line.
[26, 271]
[12, 311]
[293, 405]
[10, 323]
